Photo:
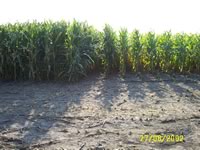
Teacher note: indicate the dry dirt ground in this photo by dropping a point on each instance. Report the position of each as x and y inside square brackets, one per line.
[100, 113]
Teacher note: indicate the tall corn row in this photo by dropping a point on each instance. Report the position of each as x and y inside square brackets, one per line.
[59, 50]
[80, 43]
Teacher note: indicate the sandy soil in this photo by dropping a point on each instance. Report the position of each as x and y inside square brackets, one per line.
[100, 113]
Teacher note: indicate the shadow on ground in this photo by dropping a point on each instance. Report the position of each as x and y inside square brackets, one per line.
[40, 114]
[31, 109]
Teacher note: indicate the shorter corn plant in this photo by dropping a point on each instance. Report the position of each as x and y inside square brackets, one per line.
[136, 51]
[150, 49]
[180, 52]
[193, 55]
[165, 51]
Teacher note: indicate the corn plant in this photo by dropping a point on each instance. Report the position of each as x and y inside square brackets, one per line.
[59, 50]
[123, 50]
[80, 43]
[180, 52]
[192, 63]
[111, 59]
[136, 51]
[149, 41]
[165, 51]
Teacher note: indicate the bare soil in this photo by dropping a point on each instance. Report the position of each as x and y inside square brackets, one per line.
[100, 113]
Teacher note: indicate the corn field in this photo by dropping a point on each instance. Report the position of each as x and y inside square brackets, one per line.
[70, 51]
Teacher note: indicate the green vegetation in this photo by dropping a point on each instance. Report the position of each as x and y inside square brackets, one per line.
[60, 50]
[123, 51]
[110, 53]
[136, 51]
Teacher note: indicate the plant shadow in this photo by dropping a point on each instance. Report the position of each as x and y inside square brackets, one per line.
[30, 109]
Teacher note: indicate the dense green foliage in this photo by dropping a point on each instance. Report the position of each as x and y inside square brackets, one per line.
[60, 50]
[123, 51]
[110, 52]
